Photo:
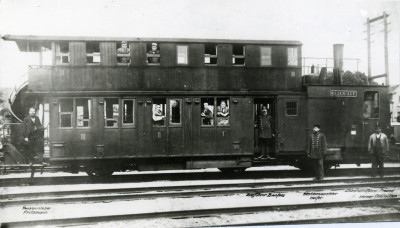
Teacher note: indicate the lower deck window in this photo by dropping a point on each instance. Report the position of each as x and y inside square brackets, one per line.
[175, 107]
[207, 114]
[83, 112]
[65, 110]
[111, 112]
[223, 111]
[371, 105]
[158, 109]
[128, 112]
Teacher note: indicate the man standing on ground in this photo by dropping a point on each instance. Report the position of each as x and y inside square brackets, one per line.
[378, 145]
[317, 150]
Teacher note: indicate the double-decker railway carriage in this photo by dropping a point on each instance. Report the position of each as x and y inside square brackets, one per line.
[155, 104]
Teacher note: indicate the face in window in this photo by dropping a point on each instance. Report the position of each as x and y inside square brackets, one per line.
[223, 104]
[154, 47]
[158, 109]
[264, 110]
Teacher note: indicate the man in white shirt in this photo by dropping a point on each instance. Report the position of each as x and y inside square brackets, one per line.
[378, 146]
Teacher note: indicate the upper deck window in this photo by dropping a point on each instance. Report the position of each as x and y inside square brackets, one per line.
[124, 53]
[153, 54]
[371, 105]
[238, 58]
[266, 59]
[62, 52]
[292, 57]
[93, 52]
[210, 54]
[182, 54]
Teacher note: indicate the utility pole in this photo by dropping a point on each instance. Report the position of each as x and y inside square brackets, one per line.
[369, 21]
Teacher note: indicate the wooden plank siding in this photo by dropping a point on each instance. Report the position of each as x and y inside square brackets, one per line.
[108, 53]
[99, 78]
[77, 52]
[168, 76]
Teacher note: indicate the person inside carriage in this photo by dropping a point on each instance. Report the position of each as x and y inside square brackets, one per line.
[207, 115]
[223, 114]
[265, 133]
[158, 116]
[153, 58]
[125, 51]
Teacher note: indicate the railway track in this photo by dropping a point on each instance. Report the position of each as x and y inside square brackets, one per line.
[205, 190]
[184, 192]
[178, 176]
[181, 214]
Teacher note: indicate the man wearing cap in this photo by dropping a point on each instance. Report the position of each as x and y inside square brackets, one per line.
[154, 51]
[265, 133]
[378, 145]
[123, 50]
[317, 150]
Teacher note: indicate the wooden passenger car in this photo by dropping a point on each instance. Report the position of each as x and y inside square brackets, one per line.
[101, 109]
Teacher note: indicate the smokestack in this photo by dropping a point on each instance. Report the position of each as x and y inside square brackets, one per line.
[337, 63]
[338, 56]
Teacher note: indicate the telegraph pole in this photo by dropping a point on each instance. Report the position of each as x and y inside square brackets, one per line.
[385, 31]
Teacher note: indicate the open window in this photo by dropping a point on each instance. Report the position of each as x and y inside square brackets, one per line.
[124, 53]
[238, 58]
[93, 52]
[182, 54]
[207, 113]
[65, 110]
[83, 112]
[371, 105]
[223, 111]
[128, 112]
[266, 59]
[292, 56]
[210, 54]
[159, 111]
[62, 53]
[175, 112]
[111, 112]
[153, 54]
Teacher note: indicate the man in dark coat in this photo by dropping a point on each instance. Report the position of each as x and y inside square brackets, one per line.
[317, 150]
[265, 135]
[378, 145]
[154, 51]
[33, 136]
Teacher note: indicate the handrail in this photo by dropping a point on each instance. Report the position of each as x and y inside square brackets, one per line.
[21, 83]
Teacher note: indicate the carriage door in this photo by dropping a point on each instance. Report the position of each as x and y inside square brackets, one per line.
[158, 126]
[110, 122]
[269, 103]
[144, 121]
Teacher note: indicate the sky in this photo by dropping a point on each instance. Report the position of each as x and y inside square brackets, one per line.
[318, 24]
